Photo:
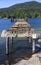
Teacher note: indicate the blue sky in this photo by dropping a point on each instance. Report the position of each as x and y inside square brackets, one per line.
[7, 3]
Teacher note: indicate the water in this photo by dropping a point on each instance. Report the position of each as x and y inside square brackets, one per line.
[6, 24]
[36, 24]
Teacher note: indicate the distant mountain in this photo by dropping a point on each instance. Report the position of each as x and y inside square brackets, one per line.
[23, 9]
[28, 5]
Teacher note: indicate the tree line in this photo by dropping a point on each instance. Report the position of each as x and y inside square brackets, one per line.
[21, 14]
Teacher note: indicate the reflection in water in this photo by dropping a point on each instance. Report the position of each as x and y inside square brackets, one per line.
[19, 50]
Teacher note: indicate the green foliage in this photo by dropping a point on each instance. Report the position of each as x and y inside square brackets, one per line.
[28, 9]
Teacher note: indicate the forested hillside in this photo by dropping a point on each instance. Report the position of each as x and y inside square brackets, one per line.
[30, 9]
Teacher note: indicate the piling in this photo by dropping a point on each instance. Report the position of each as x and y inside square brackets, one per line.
[33, 46]
[7, 45]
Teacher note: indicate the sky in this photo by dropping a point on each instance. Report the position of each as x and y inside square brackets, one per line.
[7, 3]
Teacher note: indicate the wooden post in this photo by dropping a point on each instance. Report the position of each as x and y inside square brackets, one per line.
[29, 39]
[12, 37]
[33, 46]
[7, 45]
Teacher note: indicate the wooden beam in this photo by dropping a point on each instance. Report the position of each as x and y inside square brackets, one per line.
[21, 27]
[33, 46]
[7, 45]
[29, 39]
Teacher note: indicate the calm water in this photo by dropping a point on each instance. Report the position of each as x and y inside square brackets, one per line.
[5, 24]
[36, 24]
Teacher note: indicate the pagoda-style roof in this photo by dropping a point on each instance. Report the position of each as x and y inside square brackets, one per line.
[20, 24]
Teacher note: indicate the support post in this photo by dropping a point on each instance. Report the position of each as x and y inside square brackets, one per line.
[12, 38]
[33, 45]
[29, 39]
[7, 45]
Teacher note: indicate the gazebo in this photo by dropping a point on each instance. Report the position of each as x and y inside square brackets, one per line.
[20, 29]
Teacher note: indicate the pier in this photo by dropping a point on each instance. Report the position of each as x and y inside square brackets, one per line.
[21, 29]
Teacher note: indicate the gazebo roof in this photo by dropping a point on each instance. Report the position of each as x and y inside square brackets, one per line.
[21, 23]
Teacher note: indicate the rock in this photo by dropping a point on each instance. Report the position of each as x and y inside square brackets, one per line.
[34, 60]
[23, 62]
